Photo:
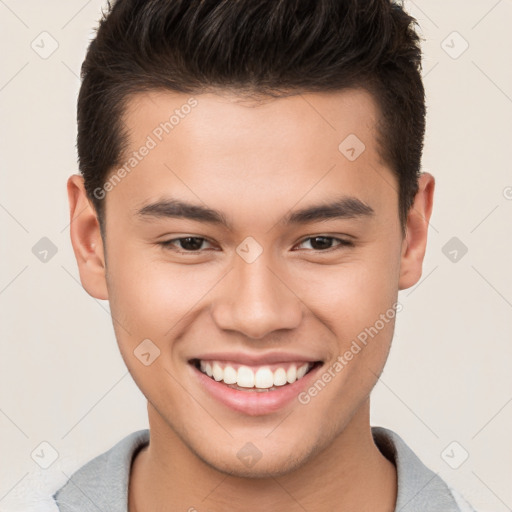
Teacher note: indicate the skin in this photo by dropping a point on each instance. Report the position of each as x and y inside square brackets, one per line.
[255, 162]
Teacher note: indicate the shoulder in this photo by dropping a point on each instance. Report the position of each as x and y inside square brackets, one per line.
[102, 483]
[419, 488]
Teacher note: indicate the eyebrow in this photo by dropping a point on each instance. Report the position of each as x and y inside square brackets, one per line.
[346, 207]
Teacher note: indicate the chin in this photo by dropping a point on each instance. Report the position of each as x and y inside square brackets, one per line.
[261, 470]
[249, 462]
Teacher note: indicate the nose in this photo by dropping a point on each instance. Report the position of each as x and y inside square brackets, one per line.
[255, 300]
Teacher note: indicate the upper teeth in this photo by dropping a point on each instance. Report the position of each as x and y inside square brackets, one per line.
[246, 377]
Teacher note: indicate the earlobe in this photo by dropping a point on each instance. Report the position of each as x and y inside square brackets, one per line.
[415, 241]
[86, 239]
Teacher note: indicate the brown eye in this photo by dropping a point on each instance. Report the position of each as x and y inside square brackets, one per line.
[187, 244]
[322, 243]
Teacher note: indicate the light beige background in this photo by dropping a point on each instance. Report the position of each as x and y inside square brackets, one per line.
[63, 381]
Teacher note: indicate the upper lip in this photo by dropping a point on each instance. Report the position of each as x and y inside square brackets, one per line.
[256, 359]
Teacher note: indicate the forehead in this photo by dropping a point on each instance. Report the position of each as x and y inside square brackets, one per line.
[274, 122]
[226, 150]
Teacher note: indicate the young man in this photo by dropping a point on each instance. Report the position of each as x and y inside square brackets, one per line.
[250, 203]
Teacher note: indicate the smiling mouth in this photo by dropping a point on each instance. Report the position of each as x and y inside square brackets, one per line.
[262, 378]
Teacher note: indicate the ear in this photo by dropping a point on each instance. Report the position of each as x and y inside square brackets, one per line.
[415, 240]
[86, 239]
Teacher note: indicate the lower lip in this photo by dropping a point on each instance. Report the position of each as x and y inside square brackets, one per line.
[254, 403]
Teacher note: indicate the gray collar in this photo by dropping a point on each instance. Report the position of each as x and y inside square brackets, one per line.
[419, 488]
[101, 485]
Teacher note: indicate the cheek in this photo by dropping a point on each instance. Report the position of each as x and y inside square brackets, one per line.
[357, 302]
[353, 295]
[152, 300]
[153, 296]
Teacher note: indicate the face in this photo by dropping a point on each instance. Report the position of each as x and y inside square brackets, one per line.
[248, 244]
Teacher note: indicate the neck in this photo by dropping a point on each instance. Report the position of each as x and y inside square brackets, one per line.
[350, 474]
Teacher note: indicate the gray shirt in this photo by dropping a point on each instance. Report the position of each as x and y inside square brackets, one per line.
[102, 483]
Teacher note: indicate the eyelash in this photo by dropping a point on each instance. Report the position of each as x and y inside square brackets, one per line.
[169, 244]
